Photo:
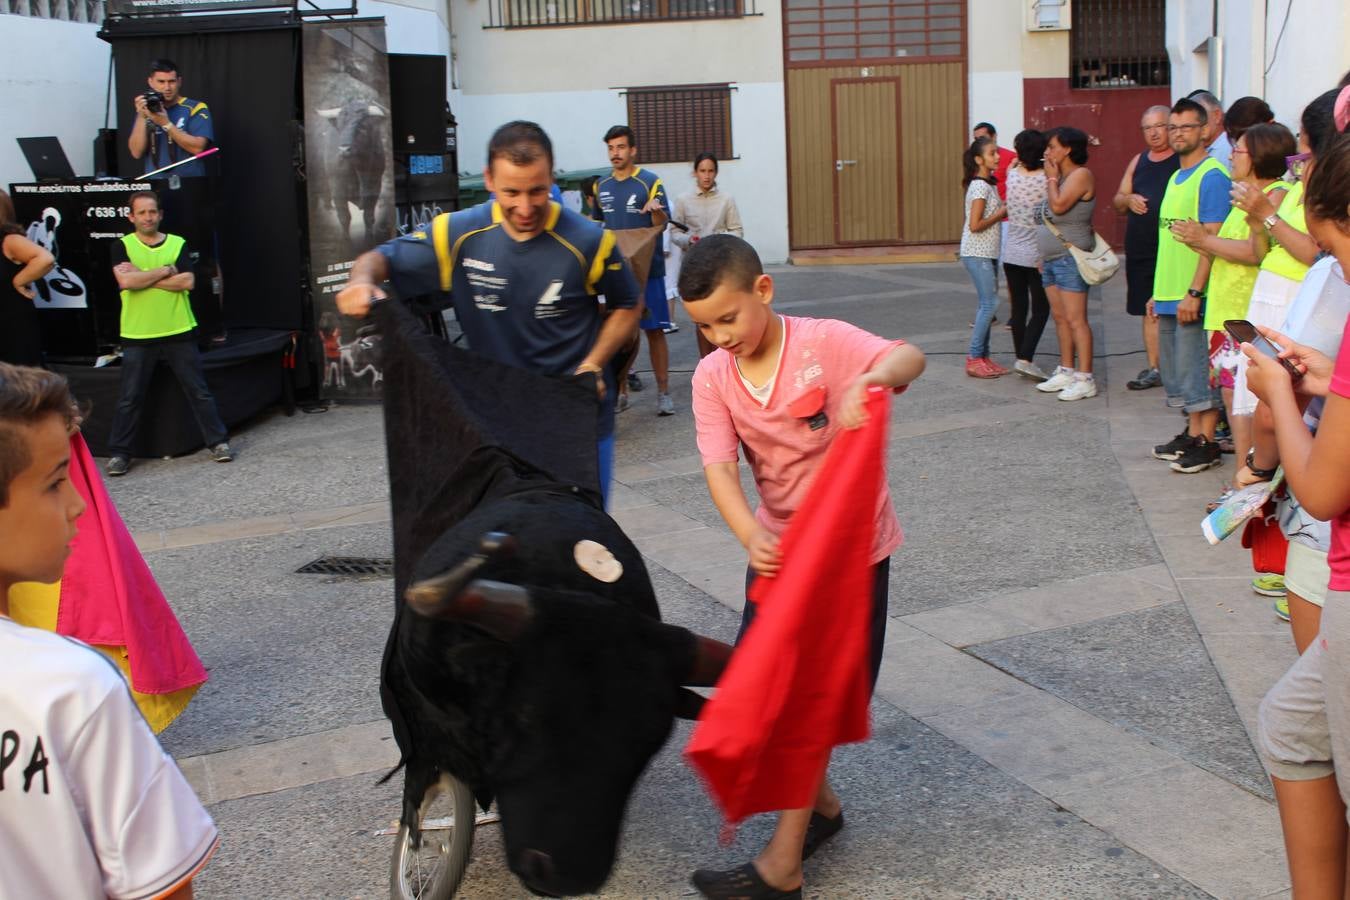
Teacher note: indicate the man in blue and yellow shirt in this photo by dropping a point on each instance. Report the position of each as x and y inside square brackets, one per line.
[523, 274]
[177, 130]
[630, 197]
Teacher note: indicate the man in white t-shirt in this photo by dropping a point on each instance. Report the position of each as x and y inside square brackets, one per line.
[90, 805]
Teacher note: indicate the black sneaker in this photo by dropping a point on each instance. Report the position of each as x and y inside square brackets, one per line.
[1199, 456]
[634, 382]
[118, 465]
[1149, 378]
[1175, 447]
[221, 452]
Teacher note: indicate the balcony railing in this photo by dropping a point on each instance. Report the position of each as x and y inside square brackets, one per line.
[548, 13]
[68, 10]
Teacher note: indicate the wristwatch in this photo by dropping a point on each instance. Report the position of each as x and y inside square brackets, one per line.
[1196, 294]
[1261, 474]
[1271, 221]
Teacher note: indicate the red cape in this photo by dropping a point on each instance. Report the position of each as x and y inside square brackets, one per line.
[797, 685]
[109, 596]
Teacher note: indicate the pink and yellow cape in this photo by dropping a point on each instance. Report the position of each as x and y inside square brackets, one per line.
[108, 597]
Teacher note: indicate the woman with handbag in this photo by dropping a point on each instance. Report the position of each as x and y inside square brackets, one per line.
[1066, 219]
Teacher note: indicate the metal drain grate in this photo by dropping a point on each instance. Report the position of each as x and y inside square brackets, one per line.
[349, 566]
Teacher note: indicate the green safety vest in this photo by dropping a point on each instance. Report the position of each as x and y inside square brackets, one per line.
[1279, 260]
[1230, 283]
[154, 312]
[1176, 262]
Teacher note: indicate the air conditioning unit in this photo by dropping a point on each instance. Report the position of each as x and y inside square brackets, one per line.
[1047, 15]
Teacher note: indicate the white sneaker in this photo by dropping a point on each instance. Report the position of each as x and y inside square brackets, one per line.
[1030, 369]
[1057, 382]
[1083, 387]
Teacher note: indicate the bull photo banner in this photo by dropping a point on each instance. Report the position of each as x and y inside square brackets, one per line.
[349, 182]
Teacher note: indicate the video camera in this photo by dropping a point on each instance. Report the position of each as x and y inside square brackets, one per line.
[154, 101]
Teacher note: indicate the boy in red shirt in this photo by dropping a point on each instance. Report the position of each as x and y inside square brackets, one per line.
[782, 390]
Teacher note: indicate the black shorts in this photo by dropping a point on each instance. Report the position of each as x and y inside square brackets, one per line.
[1138, 283]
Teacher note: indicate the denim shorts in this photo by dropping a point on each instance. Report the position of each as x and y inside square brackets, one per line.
[1062, 272]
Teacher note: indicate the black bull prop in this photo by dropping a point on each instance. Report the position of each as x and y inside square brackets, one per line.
[529, 659]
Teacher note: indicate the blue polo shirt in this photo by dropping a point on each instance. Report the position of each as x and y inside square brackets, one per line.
[191, 117]
[620, 200]
[532, 304]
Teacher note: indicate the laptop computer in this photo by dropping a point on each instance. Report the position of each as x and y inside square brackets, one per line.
[46, 158]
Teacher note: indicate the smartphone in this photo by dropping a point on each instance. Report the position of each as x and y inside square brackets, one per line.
[1245, 332]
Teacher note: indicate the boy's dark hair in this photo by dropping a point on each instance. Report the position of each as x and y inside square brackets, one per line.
[1244, 113]
[621, 131]
[1187, 105]
[970, 160]
[712, 157]
[1319, 121]
[987, 126]
[163, 65]
[27, 396]
[520, 143]
[717, 260]
[1327, 194]
[1073, 140]
[142, 195]
[1267, 147]
[1030, 148]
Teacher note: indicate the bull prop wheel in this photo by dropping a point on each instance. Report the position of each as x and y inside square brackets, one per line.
[432, 867]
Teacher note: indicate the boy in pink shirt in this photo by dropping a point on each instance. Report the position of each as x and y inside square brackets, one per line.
[781, 391]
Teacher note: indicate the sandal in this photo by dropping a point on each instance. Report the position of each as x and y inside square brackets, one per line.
[820, 830]
[743, 883]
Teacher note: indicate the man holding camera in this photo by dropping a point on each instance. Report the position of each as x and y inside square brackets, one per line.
[170, 127]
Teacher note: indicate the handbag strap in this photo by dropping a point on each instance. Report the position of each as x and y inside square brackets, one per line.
[1053, 230]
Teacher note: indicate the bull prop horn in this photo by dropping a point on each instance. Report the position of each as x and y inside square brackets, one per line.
[710, 658]
[502, 610]
[428, 596]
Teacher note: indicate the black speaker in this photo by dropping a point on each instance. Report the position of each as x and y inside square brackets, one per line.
[417, 100]
[105, 153]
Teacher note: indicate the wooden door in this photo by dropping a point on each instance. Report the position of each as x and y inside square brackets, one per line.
[865, 118]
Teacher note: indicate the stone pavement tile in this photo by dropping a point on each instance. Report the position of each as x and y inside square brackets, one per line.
[689, 464]
[1219, 837]
[1250, 665]
[1194, 557]
[1146, 671]
[1049, 744]
[636, 473]
[724, 583]
[231, 530]
[147, 541]
[623, 497]
[359, 514]
[312, 841]
[692, 551]
[925, 677]
[307, 759]
[195, 771]
[962, 624]
[1230, 606]
[1203, 486]
[648, 521]
[1175, 522]
[286, 654]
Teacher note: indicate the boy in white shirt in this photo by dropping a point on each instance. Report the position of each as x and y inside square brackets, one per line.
[90, 805]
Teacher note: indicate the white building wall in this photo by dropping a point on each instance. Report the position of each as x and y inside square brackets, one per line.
[53, 77]
[995, 67]
[1310, 58]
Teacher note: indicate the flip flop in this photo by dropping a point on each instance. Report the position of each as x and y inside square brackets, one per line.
[743, 883]
[819, 830]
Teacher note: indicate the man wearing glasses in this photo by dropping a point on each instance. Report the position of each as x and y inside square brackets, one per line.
[1197, 192]
[1139, 196]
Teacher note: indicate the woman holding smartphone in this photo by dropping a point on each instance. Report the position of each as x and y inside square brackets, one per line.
[1303, 726]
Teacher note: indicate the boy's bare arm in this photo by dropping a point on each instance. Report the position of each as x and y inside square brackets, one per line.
[896, 369]
[724, 484]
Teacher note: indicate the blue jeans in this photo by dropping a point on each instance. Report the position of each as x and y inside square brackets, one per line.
[1183, 362]
[981, 271]
[138, 367]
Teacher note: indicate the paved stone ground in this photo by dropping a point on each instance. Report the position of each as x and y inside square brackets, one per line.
[1070, 677]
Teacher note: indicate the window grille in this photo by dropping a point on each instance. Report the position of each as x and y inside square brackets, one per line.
[677, 123]
[536, 13]
[1119, 43]
[875, 30]
[68, 10]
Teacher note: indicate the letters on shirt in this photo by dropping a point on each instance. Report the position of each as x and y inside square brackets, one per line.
[37, 762]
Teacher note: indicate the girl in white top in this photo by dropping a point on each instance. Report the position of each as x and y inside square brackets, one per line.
[979, 249]
[706, 211]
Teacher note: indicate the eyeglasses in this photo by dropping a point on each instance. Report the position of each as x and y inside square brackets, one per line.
[1172, 128]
